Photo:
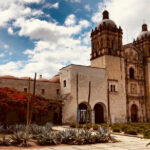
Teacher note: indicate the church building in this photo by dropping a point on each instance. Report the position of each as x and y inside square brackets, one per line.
[115, 87]
[119, 76]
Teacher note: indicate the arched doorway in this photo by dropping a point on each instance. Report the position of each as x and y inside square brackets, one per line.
[82, 113]
[99, 113]
[134, 113]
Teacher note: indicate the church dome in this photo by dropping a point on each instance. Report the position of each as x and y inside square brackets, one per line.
[144, 32]
[106, 20]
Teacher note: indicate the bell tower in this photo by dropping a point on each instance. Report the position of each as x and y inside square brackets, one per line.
[106, 38]
[143, 43]
[107, 53]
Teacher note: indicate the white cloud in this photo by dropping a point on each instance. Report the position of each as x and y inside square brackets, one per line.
[74, 1]
[40, 29]
[6, 46]
[127, 13]
[11, 68]
[49, 5]
[54, 47]
[84, 23]
[70, 20]
[86, 38]
[87, 7]
[2, 55]
[10, 53]
[13, 9]
[33, 1]
[10, 31]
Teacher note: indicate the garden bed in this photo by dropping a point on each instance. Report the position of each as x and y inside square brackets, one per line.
[135, 129]
[129, 129]
[45, 136]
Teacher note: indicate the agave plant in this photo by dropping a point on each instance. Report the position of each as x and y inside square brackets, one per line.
[48, 138]
[36, 130]
[20, 138]
[19, 127]
[49, 125]
[88, 136]
[8, 129]
[5, 141]
[68, 136]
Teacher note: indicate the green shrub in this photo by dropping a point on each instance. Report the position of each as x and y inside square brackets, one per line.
[80, 126]
[88, 126]
[147, 134]
[96, 127]
[116, 129]
[72, 125]
[131, 131]
[124, 127]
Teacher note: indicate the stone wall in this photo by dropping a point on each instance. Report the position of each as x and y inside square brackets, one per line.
[85, 74]
[115, 74]
[50, 88]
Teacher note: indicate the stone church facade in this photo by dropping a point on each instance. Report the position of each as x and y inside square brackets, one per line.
[116, 86]
[118, 72]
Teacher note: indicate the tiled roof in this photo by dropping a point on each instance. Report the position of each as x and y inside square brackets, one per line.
[55, 79]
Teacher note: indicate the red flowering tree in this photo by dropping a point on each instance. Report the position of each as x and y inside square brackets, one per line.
[13, 100]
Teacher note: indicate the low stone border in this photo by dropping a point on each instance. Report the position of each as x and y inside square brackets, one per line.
[124, 134]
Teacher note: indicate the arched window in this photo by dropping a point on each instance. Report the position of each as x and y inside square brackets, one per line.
[131, 73]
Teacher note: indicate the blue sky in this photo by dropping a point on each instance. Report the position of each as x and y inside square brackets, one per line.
[44, 35]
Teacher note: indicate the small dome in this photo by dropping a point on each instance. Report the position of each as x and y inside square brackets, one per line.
[144, 32]
[107, 22]
[55, 79]
[8, 77]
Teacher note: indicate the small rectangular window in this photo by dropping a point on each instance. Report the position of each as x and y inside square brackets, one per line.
[25, 90]
[64, 83]
[43, 91]
[112, 88]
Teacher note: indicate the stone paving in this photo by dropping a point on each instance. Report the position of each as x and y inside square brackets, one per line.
[126, 143]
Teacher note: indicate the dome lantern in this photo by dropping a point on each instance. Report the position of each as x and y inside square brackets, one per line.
[144, 33]
[105, 14]
[144, 27]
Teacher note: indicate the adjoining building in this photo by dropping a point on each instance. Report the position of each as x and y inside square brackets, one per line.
[119, 77]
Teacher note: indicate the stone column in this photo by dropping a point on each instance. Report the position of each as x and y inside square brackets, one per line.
[93, 116]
